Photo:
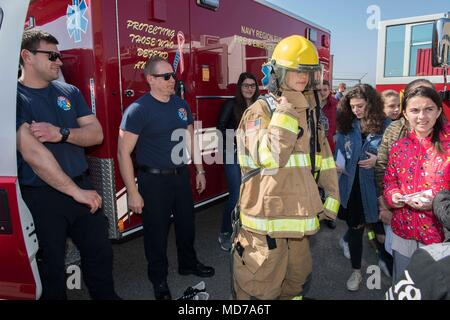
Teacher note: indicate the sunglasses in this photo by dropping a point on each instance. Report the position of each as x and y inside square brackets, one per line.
[166, 76]
[52, 55]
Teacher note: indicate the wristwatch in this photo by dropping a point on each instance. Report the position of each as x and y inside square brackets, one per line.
[201, 171]
[65, 132]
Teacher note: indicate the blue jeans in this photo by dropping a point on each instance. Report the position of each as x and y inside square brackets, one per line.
[233, 175]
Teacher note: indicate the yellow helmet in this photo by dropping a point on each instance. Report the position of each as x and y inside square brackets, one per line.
[293, 53]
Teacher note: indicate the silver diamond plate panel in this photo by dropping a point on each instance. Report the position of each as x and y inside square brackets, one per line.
[72, 254]
[102, 177]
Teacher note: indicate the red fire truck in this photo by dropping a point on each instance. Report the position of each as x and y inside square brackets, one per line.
[407, 49]
[105, 45]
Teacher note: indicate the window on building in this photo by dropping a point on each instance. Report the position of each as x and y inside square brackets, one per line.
[311, 34]
[209, 4]
[420, 49]
[395, 47]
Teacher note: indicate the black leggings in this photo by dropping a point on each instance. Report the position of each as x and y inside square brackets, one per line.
[354, 237]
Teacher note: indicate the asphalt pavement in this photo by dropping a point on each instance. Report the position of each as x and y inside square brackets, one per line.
[330, 268]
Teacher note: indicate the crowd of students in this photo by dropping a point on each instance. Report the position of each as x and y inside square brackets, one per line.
[398, 151]
[391, 150]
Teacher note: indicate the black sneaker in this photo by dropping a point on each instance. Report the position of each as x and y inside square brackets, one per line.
[331, 224]
[197, 292]
[200, 270]
[162, 291]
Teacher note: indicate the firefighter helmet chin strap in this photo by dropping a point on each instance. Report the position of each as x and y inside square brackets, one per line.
[445, 78]
[314, 129]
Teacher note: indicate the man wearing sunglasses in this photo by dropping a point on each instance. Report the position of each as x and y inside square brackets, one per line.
[54, 124]
[156, 125]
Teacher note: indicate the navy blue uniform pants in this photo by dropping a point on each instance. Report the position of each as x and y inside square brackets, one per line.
[164, 195]
[57, 216]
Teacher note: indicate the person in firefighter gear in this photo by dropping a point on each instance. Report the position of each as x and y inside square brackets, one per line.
[284, 157]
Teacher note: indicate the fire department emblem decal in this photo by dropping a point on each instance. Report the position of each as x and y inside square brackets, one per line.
[182, 114]
[76, 20]
[64, 103]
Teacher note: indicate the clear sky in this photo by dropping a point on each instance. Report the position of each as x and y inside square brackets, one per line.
[353, 44]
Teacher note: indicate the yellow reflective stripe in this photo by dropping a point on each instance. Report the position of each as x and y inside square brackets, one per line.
[318, 161]
[297, 298]
[280, 225]
[246, 162]
[328, 163]
[284, 121]
[371, 235]
[299, 160]
[295, 160]
[267, 160]
[265, 156]
[331, 205]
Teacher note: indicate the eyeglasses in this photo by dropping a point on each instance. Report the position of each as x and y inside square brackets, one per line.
[249, 86]
[166, 76]
[52, 55]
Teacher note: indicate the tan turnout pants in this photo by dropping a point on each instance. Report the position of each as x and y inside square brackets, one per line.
[264, 274]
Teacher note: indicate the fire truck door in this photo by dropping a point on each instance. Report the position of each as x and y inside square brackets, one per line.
[210, 74]
[19, 277]
[147, 29]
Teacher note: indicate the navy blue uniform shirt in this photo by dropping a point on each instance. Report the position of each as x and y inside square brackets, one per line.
[60, 104]
[155, 122]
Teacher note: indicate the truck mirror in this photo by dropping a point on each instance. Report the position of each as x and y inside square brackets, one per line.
[1, 17]
[441, 43]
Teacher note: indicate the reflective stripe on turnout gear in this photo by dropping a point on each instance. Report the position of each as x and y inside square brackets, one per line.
[331, 205]
[298, 160]
[265, 155]
[246, 162]
[323, 164]
[327, 163]
[285, 121]
[268, 226]
[268, 161]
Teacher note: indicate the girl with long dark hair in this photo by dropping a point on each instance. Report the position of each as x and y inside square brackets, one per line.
[230, 115]
[360, 125]
[417, 163]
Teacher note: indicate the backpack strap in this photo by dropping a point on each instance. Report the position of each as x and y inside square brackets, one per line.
[270, 103]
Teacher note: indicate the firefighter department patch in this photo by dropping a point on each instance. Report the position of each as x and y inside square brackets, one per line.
[182, 113]
[64, 103]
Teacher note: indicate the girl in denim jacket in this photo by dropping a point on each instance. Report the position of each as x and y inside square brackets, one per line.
[360, 126]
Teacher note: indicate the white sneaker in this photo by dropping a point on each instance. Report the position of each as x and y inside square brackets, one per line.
[344, 246]
[354, 281]
[225, 241]
[384, 268]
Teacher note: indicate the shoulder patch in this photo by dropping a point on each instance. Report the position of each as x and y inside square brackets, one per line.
[438, 251]
[182, 113]
[64, 103]
[253, 125]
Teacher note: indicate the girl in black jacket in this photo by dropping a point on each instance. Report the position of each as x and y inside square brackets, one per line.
[230, 115]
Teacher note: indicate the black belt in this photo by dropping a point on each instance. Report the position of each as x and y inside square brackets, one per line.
[174, 171]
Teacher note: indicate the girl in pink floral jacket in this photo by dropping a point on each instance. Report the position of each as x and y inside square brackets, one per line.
[418, 162]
